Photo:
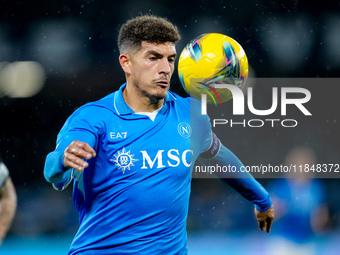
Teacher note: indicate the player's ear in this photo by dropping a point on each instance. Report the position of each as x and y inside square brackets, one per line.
[124, 61]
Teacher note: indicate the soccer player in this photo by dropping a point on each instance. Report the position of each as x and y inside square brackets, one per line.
[8, 201]
[131, 154]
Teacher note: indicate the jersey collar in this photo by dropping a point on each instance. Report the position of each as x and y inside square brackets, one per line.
[123, 109]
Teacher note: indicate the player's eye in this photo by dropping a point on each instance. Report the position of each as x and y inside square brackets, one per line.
[154, 57]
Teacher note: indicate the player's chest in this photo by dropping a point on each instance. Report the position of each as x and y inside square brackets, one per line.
[146, 144]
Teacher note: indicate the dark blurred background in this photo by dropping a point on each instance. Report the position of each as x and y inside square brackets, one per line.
[58, 55]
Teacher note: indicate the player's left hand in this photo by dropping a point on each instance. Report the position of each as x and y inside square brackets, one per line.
[265, 219]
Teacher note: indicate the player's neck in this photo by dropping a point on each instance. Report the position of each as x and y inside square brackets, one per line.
[139, 102]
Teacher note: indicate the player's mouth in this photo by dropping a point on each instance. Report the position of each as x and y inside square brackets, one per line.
[162, 83]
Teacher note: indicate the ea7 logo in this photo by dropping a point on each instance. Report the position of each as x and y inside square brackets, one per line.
[173, 159]
[114, 135]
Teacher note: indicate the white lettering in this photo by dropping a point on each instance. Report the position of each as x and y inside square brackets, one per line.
[114, 135]
[219, 121]
[297, 101]
[291, 120]
[184, 158]
[173, 157]
[158, 157]
[255, 123]
[235, 123]
[238, 100]
[262, 112]
[256, 120]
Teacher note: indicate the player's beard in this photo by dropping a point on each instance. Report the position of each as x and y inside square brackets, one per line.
[154, 98]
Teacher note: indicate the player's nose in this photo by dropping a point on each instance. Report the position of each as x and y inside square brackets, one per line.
[165, 66]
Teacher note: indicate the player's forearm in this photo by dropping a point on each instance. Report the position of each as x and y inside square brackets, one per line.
[252, 190]
[8, 204]
[54, 170]
[242, 182]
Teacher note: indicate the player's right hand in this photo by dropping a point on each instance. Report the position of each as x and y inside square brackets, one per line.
[265, 219]
[75, 153]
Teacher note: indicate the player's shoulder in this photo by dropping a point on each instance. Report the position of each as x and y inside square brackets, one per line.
[106, 102]
[104, 105]
[184, 100]
[172, 96]
[92, 114]
[188, 103]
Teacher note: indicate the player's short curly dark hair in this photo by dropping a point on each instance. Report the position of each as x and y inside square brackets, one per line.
[147, 28]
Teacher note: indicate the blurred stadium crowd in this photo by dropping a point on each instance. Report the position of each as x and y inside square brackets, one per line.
[57, 55]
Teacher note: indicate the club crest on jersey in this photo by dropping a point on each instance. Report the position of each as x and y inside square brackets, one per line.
[184, 129]
[123, 159]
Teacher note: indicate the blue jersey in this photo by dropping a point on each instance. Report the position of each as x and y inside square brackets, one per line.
[134, 196]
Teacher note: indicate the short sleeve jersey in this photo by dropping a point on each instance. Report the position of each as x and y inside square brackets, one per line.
[134, 196]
